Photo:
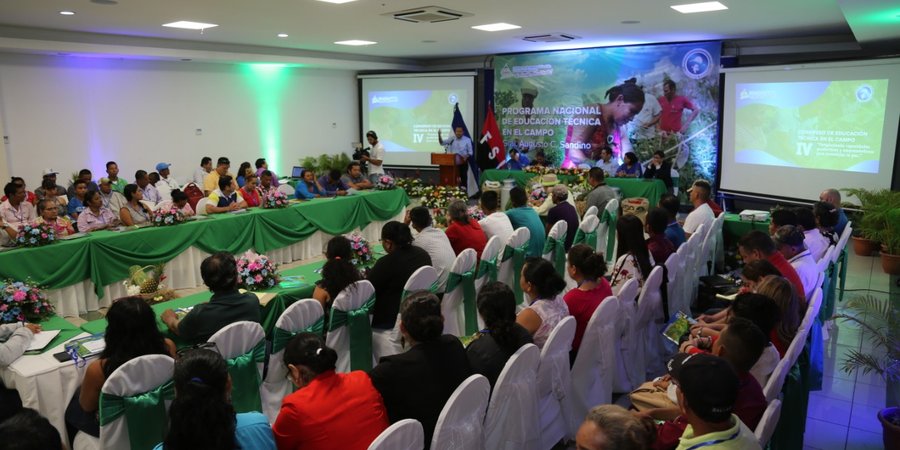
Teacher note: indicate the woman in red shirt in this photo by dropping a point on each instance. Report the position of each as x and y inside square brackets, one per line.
[249, 192]
[587, 268]
[464, 231]
[329, 410]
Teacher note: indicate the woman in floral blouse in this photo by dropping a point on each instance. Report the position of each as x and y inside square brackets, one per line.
[49, 212]
[634, 260]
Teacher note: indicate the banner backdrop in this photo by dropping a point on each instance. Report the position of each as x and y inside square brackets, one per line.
[571, 105]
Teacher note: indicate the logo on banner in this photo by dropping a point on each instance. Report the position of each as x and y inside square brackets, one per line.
[453, 99]
[864, 93]
[697, 63]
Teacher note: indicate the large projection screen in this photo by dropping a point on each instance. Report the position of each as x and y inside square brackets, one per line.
[407, 110]
[792, 131]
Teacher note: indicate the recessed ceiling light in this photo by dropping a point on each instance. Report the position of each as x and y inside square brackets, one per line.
[105, 2]
[691, 8]
[188, 25]
[337, 2]
[67, 13]
[630, 22]
[429, 41]
[496, 27]
[282, 35]
[355, 42]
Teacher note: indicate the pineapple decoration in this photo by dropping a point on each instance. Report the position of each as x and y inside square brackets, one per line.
[146, 281]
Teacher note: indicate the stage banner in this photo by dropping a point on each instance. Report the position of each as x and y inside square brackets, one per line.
[571, 105]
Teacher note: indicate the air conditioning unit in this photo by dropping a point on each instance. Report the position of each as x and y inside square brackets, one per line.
[428, 14]
[551, 37]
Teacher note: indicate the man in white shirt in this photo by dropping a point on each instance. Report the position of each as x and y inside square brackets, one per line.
[166, 183]
[433, 241]
[702, 213]
[815, 242]
[375, 158]
[201, 172]
[790, 243]
[607, 163]
[112, 200]
[143, 182]
[495, 222]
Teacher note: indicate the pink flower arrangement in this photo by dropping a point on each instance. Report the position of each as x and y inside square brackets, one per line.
[362, 251]
[21, 301]
[36, 235]
[274, 199]
[256, 272]
[163, 217]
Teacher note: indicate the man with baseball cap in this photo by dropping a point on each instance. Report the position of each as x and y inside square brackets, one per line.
[49, 189]
[707, 391]
[702, 213]
[166, 184]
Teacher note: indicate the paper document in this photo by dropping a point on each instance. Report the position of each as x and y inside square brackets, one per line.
[42, 340]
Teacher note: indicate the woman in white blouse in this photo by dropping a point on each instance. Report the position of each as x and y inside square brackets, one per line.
[543, 285]
[633, 259]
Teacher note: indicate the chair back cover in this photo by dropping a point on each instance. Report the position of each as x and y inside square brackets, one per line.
[489, 266]
[555, 384]
[555, 246]
[406, 434]
[592, 374]
[776, 380]
[691, 265]
[513, 260]
[673, 287]
[587, 232]
[625, 376]
[461, 423]
[717, 249]
[768, 422]
[387, 342]
[512, 420]
[201, 206]
[649, 325]
[592, 211]
[606, 232]
[243, 345]
[356, 297]
[458, 304]
[286, 189]
[134, 403]
[304, 315]
[707, 246]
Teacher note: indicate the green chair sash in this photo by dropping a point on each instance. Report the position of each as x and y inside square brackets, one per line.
[434, 288]
[145, 414]
[281, 337]
[360, 327]
[518, 258]
[489, 267]
[557, 249]
[245, 379]
[610, 220]
[842, 260]
[589, 239]
[467, 280]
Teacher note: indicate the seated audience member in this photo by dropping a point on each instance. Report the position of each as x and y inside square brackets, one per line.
[495, 223]
[464, 231]
[266, 183]
[15, 211]
[201, 416]
[782, 292]
[540, 159]
[606, 163]
[263, 166]
[630, 168]
[95, 216]
[226, 306]
[308, 187]
[166, 183]
[112, 174]
[600, 194]
[30, 197]
[833, 198]
[76, 201]
[179, 201]
[522, 215]
[433, 241]
[658, 244]
[587, 269]
[326, 405]
[201, 172]
[112, 199]
[332, 184]
[243, 170]
[702, 214]
[148, 190]
[827, 219]
[542, 207]
[211, 181]
[754, 271]
[16, 339]
[612, 427]
[707, 392]
[391, 271]
[49, 189]
[781, 217]
[758, 245]
[134, 212]
[516, 161]
[50, 214]
[790, 242]
[85, 176]
[660, 169]
[563, 210]
[815, 242]
[130, 332]
[27, 430]
[633, 259]
[501, 336]
[225, 198]
[355, 178]
[338, 272]
[674, 232]
[249, 192]
[154, 178]
[542, 284]
[416, 384]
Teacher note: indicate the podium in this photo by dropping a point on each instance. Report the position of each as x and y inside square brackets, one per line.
[448, 170]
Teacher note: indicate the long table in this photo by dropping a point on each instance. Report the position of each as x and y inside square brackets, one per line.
[733, 227]
[652, 190]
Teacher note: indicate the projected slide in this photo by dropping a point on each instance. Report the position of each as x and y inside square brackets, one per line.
[830, 125]
[408, 121]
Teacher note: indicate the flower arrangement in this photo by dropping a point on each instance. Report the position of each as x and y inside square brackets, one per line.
[385, 182]
[441, 196]
[412, 186]
[23, 301]
[166, 217]
[362, 251]
[439, 216]
[274, 199]
[36, 235]
[542, 170]
[538, 194]
[475, 212]
[256, 272]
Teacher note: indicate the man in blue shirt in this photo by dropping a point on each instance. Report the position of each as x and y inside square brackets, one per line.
[674, 232]
[522, 215]
[516, 161]
[333, 184]
[461, 146]
[833, 196]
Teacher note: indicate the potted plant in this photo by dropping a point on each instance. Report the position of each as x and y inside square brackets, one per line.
[890, 239]
[879, 324]
[867, 230]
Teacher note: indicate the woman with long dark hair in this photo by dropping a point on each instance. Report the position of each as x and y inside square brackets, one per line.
[243, 171]
[543, 284]
[338, 271]
[134, 212]
[827, 217]
[633, 258]
[501, 336]
[587, 268]
[201, 416]
[631, 166]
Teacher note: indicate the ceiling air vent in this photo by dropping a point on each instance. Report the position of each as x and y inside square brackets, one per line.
[551, 37]
[428, 14]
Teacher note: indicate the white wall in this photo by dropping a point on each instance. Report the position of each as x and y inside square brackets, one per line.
[69, 112]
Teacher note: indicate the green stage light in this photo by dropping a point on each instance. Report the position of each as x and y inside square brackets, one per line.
[268, 82]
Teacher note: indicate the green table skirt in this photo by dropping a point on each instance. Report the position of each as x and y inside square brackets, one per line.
[733, 227]
[652, 190]
[105, 256]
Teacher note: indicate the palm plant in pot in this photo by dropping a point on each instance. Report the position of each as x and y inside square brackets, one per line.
[879, 325]
[871, 221]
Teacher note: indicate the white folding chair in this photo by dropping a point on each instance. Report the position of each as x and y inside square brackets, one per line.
[592, 211]
[306, 314]
[512, 420]
[588, 228]
[458, 304]
[491, 255]
[607, 232]
[626, 376]
[287, 189]
[555, 249]
[461, 423]
[406, 434]
[508, 274]
[387, 342]
[353, 297]
[201, 206]
[673, 287]
[707, 246]
[595, 364]
[136, 377]
[768, 422]
[554, 384]
[692, 264]
[718, 247]
[776, 380]
[650, 356]
[240, 339]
